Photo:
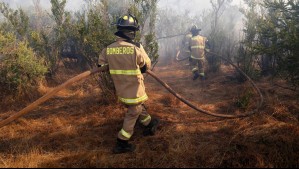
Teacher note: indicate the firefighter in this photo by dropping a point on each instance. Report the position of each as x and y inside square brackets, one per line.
[185, 43]
[198, 45]
[127, 61]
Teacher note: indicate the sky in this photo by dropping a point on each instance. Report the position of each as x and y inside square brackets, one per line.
[180, 5]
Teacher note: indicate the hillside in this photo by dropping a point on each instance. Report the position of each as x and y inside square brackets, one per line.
[77, 128]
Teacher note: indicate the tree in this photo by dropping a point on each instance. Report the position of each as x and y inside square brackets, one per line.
[20, 69]
[273, 35]
[61, 18]
[17, 18]
[246, 53]
[146, 12]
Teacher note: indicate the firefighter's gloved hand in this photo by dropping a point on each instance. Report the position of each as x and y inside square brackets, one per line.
[143, 69]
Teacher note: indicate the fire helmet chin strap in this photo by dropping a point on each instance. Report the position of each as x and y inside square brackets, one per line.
[122, 34]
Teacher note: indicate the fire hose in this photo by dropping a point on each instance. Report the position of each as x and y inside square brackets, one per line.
[149, 72]
[260, 104]
[177, 56]
[51, 94]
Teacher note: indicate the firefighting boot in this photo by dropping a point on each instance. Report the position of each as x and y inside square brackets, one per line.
[196, 75]
[151, 129]
[202, 76]
[122, 146]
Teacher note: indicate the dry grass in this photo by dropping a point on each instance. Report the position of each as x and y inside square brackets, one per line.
[76, 128]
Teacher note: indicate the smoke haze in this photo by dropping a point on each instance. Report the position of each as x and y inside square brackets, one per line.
[193, 6]
[71, 4]
[179, 5]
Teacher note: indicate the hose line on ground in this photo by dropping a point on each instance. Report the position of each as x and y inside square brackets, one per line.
[50, 94]
[196, 108]
[210, 113]
[105, 68]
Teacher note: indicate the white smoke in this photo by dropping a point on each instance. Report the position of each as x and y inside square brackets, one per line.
[193, 6]
[72, 5]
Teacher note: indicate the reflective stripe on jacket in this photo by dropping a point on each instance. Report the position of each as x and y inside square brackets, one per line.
[125, 60]
[197, 45]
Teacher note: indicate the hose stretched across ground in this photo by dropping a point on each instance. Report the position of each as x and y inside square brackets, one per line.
[105, 68]
[51, 94]
[210, 113]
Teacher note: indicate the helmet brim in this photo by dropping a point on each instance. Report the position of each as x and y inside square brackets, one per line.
[124, 27]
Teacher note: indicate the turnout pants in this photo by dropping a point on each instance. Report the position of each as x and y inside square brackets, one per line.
[199, 66]
[135, 113]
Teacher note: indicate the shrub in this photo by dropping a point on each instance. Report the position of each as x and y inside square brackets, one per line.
[20, 69]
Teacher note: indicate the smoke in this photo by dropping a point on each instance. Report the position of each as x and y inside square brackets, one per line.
[72, 5]
[177, 16]
[183, 5]
[192, 6]
[174, 16]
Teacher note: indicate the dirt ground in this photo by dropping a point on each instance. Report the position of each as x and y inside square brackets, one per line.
[77, 128]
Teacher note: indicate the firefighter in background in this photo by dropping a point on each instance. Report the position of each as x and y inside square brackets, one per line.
[127, 61]
[186, 51]
[198, 45]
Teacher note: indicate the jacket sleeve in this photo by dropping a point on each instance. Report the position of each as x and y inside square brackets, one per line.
[103, 58]
[143, 61]
[190, 43]
[207, 44]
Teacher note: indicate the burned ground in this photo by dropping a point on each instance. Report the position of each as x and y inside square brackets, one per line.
[76, 129]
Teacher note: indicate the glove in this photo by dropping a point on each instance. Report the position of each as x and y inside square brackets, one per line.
[143, 69]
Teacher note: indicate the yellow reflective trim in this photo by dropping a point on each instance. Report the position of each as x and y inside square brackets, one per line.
[194, 69]
[125, 72]
[146, 119]
[196, 47]
[125, 17]
[197, 37]
[202, 58]
[131, 19]
[125, 134]
[120, 51]
[134, 101]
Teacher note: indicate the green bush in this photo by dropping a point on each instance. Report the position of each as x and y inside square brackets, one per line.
[274, 36]
[20, 69]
